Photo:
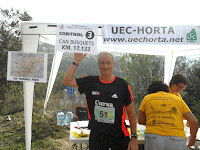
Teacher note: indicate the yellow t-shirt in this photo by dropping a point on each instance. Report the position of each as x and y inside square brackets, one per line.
[164, 114]
[170, 91]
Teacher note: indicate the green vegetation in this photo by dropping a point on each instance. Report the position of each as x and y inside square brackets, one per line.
[140, 70]
[43, 129]
[45, 132]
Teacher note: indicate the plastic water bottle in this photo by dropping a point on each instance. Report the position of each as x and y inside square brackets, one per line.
[69, 116]
[60, 118]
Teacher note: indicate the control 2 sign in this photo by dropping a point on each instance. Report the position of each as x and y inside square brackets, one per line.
[76, 38]
[149, 34]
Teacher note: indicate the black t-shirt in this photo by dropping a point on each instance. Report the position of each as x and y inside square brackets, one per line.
[106, 103]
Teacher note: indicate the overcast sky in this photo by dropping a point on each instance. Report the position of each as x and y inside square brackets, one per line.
[154, 12]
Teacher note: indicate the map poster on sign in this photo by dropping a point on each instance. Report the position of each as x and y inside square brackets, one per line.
[151, 34]
[77, 38]
[27, 67]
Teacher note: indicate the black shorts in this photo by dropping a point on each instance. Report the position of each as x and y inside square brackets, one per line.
[100, 141]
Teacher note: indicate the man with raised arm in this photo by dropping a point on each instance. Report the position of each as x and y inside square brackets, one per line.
[107, 98]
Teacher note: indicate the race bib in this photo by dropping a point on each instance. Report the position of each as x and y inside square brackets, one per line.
[104, 114]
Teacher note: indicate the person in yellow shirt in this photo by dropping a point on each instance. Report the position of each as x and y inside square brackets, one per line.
[163, 114]
[177, 84]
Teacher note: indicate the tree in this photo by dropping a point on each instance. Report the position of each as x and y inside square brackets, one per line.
[10, 40]
[58, 85]
[192, 92]
[157, 68]
[49, 49]
[139, 71]
[181, 65]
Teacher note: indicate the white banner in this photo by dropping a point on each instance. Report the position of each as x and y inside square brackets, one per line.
[27, 66]
[76, 38]
[150, 34]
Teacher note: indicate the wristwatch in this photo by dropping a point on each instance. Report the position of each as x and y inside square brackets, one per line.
[134, 135]
[75, 64]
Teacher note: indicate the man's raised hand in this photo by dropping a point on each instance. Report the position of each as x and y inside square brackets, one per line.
[78, 57]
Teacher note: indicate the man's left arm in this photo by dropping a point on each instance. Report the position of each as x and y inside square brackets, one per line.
[133, 144]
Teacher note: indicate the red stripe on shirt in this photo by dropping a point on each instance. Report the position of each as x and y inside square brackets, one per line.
[129, 88]
[107, 82]
[124, 129]
[84, 76]
[89, 117]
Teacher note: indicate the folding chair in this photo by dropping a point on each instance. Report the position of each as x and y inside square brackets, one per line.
[81, 115]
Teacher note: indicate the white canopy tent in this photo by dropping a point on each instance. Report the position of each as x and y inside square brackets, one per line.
[31, 32]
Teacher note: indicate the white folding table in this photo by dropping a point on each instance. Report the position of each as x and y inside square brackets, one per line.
[84, 124]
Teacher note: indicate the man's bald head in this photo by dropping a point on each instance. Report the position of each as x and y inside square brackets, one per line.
[105, 54]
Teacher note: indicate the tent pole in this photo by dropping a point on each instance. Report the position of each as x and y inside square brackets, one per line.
[170, 60]
[54, 69]
[29, 44]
